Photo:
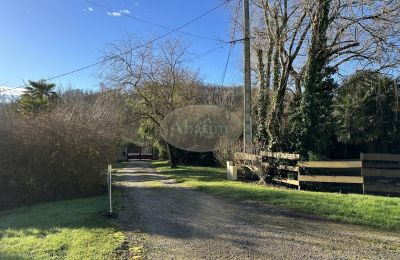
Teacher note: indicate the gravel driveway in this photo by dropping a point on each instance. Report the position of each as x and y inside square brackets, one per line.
[182, 223]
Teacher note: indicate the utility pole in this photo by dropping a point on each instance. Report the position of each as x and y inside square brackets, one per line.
[247, 131]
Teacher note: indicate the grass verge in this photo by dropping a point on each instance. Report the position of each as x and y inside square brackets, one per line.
[72, 229]
[373, 211]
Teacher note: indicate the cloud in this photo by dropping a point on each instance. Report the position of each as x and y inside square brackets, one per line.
[7, 91]
[119, 13]
[89, 9]
[115, 14]
[125, 11]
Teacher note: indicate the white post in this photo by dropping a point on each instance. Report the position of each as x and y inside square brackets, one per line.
[231, 171]
[109, 187]
[228, 169]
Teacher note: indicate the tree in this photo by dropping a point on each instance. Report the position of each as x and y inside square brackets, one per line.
[156, 80]
[262, 100]
[315, 105]
[366, 112]
[363, 34]
[283, 30]
[38, 97]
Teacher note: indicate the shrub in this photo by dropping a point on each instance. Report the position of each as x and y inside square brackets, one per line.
[226, 152]
[60, 153]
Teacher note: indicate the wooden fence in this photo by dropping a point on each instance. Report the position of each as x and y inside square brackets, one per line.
[381, 172]
[375, 172]
[330, 178]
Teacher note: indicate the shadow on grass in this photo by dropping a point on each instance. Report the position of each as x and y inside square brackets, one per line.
[75, 213]
[205, 174]
[10, 256]
[156, 164]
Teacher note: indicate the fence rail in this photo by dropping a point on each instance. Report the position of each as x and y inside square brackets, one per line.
[287, 156]
[379, 157]
[330, 164]
[381, 172]
[378, 172]
[373, 172]
[331, 179]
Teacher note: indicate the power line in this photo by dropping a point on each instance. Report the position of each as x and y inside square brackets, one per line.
[232, 42]
[220, 46]
[150, 22]
[227, 63]
[130, 50]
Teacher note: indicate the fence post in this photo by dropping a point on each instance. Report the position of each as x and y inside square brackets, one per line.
[109, 178]
[362, 175]
[298, 178]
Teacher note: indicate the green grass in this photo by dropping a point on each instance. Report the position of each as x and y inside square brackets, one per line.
[72, 229]
[373, 211]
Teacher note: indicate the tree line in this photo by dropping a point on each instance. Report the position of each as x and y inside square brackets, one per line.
[301, 48]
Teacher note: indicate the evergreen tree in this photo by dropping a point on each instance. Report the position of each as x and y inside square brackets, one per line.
[38, 97]
[366, 112]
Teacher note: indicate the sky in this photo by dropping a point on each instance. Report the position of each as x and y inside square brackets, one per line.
[44, 38]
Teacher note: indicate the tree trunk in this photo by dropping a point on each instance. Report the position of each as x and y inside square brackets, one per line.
[311, 135]
[262, 102]
[274, 119]
[172, 162]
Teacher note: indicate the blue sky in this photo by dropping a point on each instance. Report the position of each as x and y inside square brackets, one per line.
[43, 38]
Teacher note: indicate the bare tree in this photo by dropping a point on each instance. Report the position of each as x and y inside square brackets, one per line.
[360, 34]
[281, 34]
[156, 79]
[365, 33]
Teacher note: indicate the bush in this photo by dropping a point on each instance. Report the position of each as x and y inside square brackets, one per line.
[226, 152]
[58, 154]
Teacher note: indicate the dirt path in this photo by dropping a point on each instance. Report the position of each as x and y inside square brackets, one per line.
[182, 223]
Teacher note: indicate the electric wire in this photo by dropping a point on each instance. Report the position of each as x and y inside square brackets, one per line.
[149, 22]
[130, 50]
[232, 43]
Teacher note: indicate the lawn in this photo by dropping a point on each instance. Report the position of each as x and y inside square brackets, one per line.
[72, 229]
[373, 211]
